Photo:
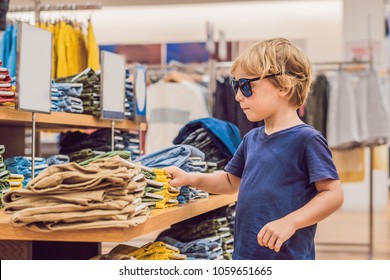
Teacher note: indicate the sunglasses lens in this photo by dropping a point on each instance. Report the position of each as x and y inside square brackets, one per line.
[234, 85]
[246, 89]
[242, 84]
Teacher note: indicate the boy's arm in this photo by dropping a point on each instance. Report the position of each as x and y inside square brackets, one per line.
[329, 198]
[216, 182]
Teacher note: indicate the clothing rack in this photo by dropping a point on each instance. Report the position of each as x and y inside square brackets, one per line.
[371, 167]
[175, 65]
[205, 68]
[37, 8]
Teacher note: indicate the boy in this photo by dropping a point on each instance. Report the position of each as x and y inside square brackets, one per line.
[284, 172]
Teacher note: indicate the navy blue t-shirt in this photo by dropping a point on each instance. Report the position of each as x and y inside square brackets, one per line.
[278, 173]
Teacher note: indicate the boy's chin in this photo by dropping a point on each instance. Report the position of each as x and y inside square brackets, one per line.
[253, 119]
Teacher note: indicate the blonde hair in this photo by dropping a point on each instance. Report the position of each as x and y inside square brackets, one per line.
[278, 56]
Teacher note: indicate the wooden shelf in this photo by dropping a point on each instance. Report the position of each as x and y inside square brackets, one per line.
[160, 218]
[11, 116]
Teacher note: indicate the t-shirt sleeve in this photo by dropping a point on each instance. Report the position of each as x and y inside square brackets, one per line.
[319, 160]
[237, 163]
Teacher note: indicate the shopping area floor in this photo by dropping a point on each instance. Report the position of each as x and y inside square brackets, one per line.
[353, 227]
[342, 227]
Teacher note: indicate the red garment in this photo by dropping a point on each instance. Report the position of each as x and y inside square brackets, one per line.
[7, 99]
[6, 80]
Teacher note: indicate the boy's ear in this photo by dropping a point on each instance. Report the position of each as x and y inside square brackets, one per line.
[287, 84]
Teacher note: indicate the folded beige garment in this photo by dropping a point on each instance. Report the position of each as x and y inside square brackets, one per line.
[27, 196]
[60, 226]
[72, 173]
[114, 210]
[32, 200]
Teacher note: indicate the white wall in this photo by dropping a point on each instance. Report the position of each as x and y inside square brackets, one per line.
[363, 26]
[319, 23]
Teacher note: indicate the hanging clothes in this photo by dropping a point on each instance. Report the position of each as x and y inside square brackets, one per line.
[377, 117]
[72, 51]
[52, 28]
[5, 44]
[357, 113]
[61, 51]
[11, 65]
[342, 122]
[8, 46]
[69, 52]
[171, 105]
[93, 49]
[316, 108]
[82, 49]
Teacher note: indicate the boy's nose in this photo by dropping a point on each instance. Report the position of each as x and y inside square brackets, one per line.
[239, 96]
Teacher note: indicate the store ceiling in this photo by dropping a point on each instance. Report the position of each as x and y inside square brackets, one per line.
[105, 3]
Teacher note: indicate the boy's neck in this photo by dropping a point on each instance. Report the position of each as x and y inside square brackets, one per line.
[281, 121]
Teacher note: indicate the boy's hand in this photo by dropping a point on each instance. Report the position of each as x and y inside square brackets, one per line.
[179, 176]
[275, 233]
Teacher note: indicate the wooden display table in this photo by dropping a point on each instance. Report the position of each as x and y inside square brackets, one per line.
[22, 243]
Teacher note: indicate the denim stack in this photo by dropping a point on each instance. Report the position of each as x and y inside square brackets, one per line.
[55, 100]
[57, 159]
[196, 249]
[23, 166]
[67, 97]
[188, 193]
[129, 96]
[209, 228]
[179, 155]
[217, 139]
[90, 95]
[132, 143]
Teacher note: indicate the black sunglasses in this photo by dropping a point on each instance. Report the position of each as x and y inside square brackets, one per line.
[245, 84]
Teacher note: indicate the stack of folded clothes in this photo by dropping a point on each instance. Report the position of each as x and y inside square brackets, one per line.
[217, 139]
[80, 146]
[150, 251]
[4, 175]
[158, 193]
[22, 165]
[57, 159]
[186, 157]
[203, 232]
[104, 193]
[66, 97]
[7, 90]
[196, 249]
[129, 96]
[183, 156]
[90, 94]
[188, 193]
[99, 140]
